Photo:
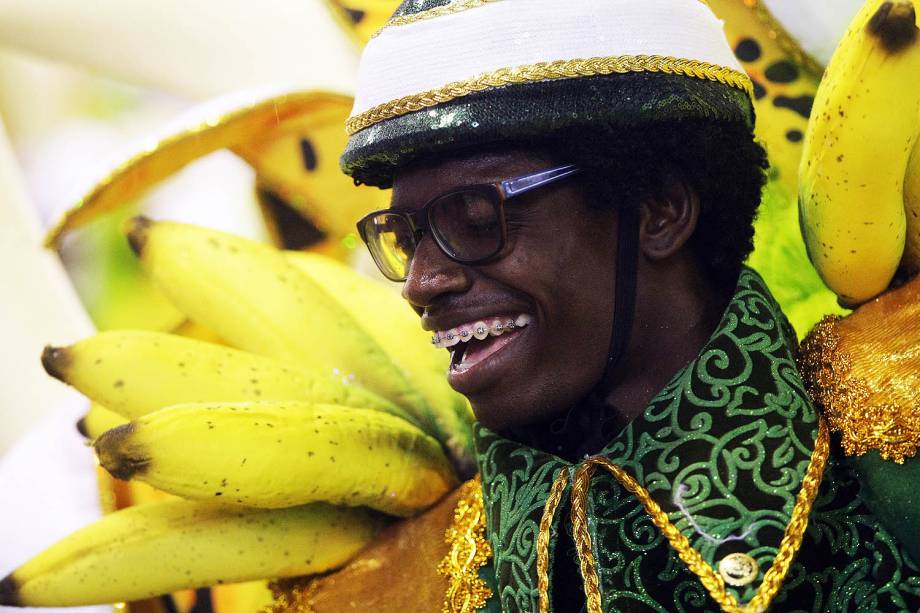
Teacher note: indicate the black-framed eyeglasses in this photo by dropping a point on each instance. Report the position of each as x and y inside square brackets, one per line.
[467, 223]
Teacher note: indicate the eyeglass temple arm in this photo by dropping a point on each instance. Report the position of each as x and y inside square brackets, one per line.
[520, 185]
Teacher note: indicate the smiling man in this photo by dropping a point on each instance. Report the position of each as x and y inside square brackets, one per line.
[573, 191]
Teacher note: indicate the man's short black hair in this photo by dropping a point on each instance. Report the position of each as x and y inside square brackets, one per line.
[722, 162]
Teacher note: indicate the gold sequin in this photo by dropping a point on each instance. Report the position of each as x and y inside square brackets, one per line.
[546, 71]
[469, 551]
[291, 596]
[714, 584]
[864, 373]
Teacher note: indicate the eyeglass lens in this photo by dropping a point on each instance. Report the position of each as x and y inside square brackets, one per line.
[466, 224]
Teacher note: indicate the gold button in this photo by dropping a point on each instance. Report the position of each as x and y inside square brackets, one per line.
[738, 569]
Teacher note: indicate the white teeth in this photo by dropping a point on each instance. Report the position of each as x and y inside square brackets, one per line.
[479, 330]
[496, 328]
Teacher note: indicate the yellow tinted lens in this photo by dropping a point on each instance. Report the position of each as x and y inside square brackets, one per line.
[391, 243]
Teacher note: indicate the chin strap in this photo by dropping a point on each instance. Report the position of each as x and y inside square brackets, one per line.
[624, 295]
[595, 408]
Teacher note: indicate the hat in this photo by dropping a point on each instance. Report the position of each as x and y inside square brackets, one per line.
[445, 74]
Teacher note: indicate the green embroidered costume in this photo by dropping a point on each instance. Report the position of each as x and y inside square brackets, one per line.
[729, 439]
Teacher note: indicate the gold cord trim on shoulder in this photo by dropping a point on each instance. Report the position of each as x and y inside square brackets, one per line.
[711, 580]
[438, 11]
[789, 45]
[469, 551]
[548, 71]
[866, 418]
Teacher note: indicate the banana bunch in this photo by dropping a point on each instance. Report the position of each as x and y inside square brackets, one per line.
[859, 201]
[322, 410]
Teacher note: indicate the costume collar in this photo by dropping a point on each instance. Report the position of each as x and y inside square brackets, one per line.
[722, 448]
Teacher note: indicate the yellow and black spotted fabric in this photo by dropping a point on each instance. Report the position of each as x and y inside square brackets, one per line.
[723, 448]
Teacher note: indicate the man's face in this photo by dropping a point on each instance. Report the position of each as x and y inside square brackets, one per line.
[555, 275]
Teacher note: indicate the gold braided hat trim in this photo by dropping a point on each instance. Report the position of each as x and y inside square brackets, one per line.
[548, 71]
[711, 580]
[438, 11]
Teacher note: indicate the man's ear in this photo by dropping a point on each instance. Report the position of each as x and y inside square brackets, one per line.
[668, 218]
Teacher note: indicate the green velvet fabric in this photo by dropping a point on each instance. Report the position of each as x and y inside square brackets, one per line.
[723, 449]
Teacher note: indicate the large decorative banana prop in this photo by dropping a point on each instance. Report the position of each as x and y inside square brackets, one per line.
[325, 413]
[154, 548]
[854, 169]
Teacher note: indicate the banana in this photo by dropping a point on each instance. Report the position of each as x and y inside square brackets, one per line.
[252, 297]
[98, 420]
[134, 372]
[275, 454]
[390, 321]
[911, 261]
[156, 548]
[865, 122]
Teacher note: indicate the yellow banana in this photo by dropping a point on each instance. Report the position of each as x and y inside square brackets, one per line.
[911, 259]
[275, 454]
[98, 420]
[155, 548]
[394, 325]
[252, 297]
[134, 372]
[865, 121]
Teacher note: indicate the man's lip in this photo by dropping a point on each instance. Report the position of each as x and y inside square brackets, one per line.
[455, 318]
[485, 372]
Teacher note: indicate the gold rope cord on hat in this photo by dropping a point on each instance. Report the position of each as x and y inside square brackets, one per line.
[549, 71]
[712, 581]
[438, 11]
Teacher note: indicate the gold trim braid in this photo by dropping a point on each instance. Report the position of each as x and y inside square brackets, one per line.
[712, 581]
[469, 551]
[438, 11]
[549, 71]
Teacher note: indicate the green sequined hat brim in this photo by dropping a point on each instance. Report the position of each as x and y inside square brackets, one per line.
[546, 108]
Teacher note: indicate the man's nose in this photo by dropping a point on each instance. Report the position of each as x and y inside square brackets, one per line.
[431, 273]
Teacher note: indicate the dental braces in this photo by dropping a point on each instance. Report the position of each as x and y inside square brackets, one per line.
[480, 331]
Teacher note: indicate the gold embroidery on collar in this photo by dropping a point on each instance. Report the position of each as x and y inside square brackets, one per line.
[714, 584]
[438, 11]
[469, 551]
[547, 71]
[870, 412]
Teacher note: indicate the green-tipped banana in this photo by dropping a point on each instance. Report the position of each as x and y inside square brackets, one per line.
[865, 122]
[280, 455]
[251, 296]
[99, 420]
[157, 548]
[136, 372]
[393, 324]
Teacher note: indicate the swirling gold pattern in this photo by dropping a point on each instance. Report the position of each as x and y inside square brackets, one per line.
[545, 71]
[469, 551]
